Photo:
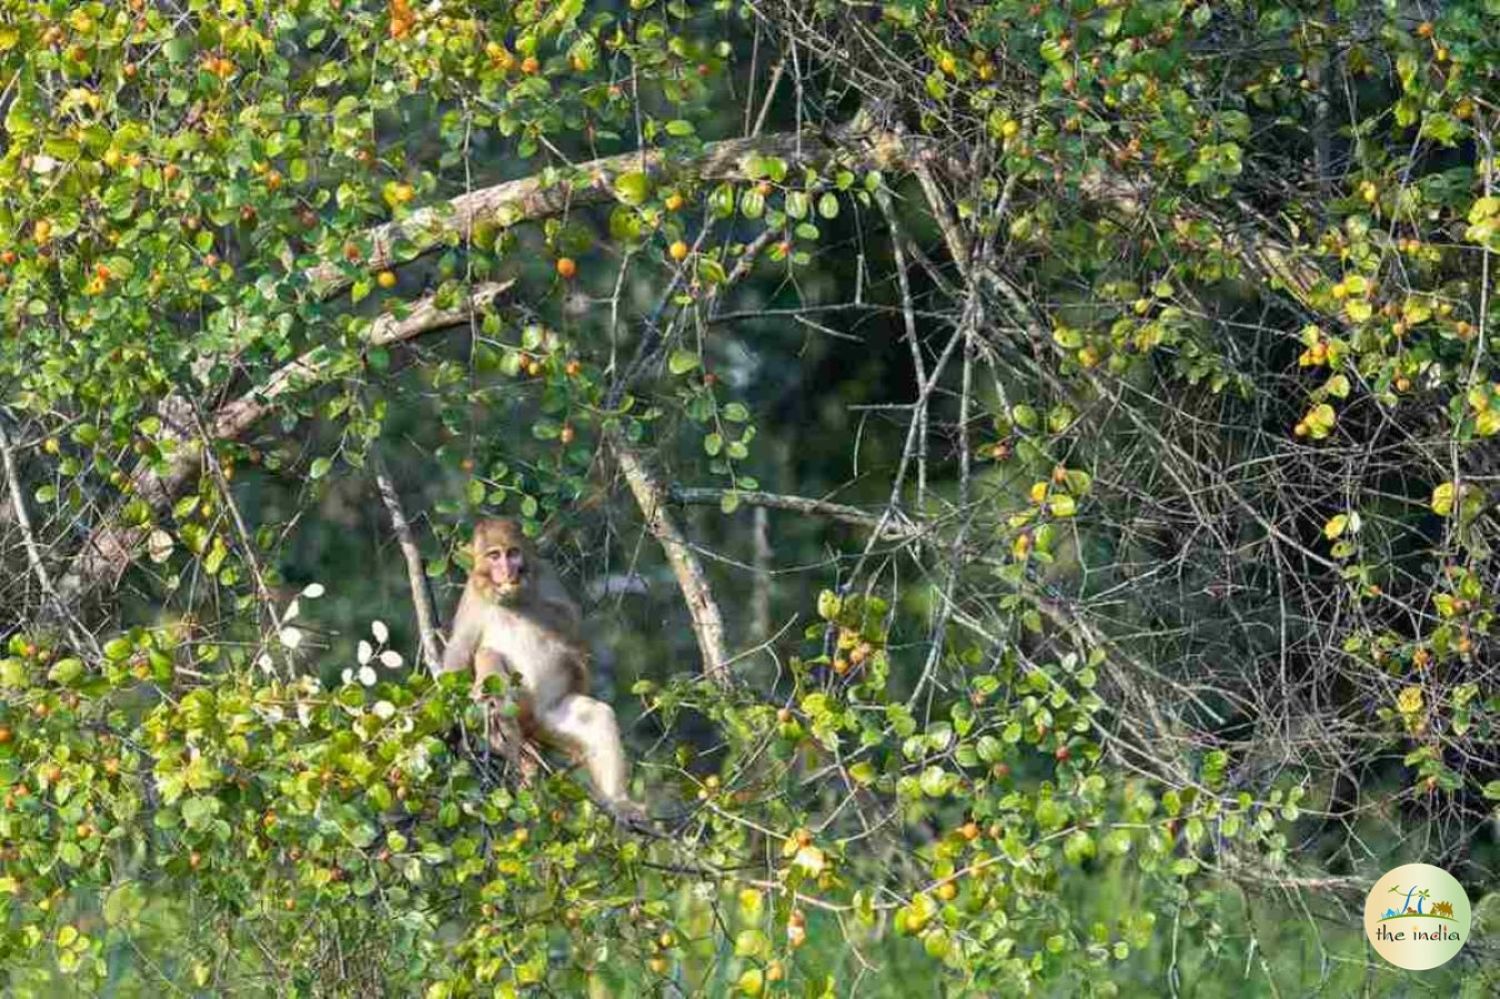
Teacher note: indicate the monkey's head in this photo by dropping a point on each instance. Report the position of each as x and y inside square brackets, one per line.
[502, 560]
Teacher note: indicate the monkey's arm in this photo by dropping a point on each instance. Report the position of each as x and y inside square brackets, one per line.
[560, 606]
[467, 628]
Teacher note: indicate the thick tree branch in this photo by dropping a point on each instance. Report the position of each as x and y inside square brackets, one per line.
[652, 498]
[554, 191]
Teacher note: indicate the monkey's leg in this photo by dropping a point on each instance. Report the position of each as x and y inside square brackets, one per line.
[506, 737]
[503, 727]
[587, 729]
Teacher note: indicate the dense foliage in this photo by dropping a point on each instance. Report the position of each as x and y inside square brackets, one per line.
[1030, 468]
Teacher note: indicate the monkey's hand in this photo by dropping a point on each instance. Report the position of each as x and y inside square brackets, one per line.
[631, 816]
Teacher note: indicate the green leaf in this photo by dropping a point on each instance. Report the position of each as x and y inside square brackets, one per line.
[721, 202]
[682, 361]
[215, 557]
[66, 672]
[633, 188]
[123, 905]
[935, 782]
[180, 48]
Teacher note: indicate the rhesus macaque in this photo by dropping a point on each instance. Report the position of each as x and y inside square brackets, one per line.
[516, 620]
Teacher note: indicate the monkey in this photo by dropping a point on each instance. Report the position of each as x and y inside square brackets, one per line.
[515, 619]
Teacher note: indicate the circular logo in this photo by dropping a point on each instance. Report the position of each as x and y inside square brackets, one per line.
[1417, 916]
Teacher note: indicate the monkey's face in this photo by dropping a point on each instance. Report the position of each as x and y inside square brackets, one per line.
[500, 560]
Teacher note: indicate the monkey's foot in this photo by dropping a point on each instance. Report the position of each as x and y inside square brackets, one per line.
[528, 765]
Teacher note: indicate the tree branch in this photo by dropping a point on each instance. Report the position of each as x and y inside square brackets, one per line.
[694, 496]
[77, 633]
[652, 498]
[552, 192]
[416, 577]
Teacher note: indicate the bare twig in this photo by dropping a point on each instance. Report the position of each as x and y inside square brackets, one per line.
[693, 496]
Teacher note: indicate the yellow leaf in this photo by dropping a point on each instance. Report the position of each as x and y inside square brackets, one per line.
[1416, 310]
[1320, 420]
[1409, 701]
[1336, 526]
[1358, 310]
[1038, 492]
[1442, 499]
